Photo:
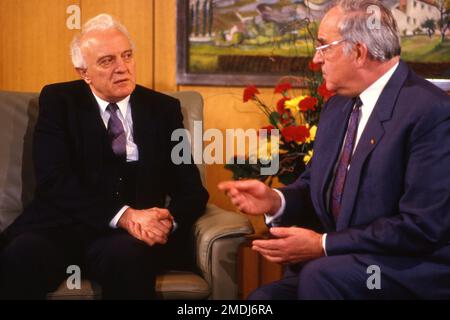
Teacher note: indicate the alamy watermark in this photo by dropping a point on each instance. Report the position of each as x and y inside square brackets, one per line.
[74, 279]
[261, 146]
[73, 21]
[374, 20]
[374, 280]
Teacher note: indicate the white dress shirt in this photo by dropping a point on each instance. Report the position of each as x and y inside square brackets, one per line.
[124, 114]
[369, 98]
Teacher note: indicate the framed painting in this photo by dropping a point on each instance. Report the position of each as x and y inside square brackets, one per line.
[241, 42]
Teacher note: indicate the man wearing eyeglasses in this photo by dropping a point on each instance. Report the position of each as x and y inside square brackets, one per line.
[379, 181]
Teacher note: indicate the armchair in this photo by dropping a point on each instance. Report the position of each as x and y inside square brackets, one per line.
[218, 233]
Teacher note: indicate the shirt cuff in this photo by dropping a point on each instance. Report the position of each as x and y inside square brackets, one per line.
[279, 213]
[115, 220]
[174, 226]
[324, 239]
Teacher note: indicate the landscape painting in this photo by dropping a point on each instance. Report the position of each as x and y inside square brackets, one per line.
[238, 42]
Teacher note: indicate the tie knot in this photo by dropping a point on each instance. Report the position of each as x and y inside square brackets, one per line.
[357, 102]
[112, 107]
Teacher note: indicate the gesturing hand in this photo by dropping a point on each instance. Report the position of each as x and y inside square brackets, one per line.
[251, 196]
[290, 245]
[149, 225]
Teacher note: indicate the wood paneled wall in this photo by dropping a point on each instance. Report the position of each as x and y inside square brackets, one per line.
[35, 41]
[34, 51]
[34, 44]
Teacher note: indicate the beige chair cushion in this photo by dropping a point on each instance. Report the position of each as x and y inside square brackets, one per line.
[172, 285]
[18, 116]
[191, 103]
[88, 291]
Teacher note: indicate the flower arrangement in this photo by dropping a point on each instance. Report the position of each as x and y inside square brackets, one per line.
[296, 117]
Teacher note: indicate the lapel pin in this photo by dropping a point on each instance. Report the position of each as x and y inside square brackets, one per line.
[372, 141]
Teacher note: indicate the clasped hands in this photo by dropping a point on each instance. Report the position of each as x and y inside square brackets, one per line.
[288, 245]
[152, 226]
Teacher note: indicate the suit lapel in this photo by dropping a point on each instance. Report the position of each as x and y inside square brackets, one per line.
[93, 130]
[370, 138]
[372, 134]
[144, 128]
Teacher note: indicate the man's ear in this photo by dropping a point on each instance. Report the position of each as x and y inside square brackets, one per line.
[362, 54]
[84, 75]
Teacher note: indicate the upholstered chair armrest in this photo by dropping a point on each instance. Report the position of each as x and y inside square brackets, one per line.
[218, 235]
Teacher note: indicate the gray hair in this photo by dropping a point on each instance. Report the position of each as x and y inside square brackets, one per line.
[381, 36]
[98, 23]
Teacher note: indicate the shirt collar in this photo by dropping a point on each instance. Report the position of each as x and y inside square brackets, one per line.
[370, 96]
[122, 104]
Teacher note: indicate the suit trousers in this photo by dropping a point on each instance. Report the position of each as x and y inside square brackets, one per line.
[350, 276]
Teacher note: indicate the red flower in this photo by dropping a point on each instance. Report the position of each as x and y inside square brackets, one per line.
[295, 133]
[308, 103]
[324, 92]
[250, 92]
[280, 104]
[283, 87]
[314, 67]
[286, 117]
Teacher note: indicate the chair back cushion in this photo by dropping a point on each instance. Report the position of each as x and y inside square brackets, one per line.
[192, 109]
[18, 114]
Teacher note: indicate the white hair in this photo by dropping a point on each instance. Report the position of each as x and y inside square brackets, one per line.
[382, 41]
[98, 23]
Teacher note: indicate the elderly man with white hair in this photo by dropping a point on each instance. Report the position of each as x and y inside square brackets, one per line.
[102, 155]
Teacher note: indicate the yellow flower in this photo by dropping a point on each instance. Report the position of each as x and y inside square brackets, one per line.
[308, 157]
[312, 134]
[292, 104]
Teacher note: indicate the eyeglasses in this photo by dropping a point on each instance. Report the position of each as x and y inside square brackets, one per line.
[322, 49]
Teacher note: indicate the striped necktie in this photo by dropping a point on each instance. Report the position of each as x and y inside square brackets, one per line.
[344, 161]
[116, 132]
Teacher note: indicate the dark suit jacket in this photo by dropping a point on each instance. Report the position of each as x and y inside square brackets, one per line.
[396, 199]
[74, 182]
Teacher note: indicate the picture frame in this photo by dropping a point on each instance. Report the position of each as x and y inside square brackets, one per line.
[217, 35]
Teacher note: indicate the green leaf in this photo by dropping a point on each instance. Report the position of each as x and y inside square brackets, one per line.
[274, 119]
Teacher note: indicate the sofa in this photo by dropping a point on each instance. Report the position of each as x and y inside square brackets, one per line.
[217, 234]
